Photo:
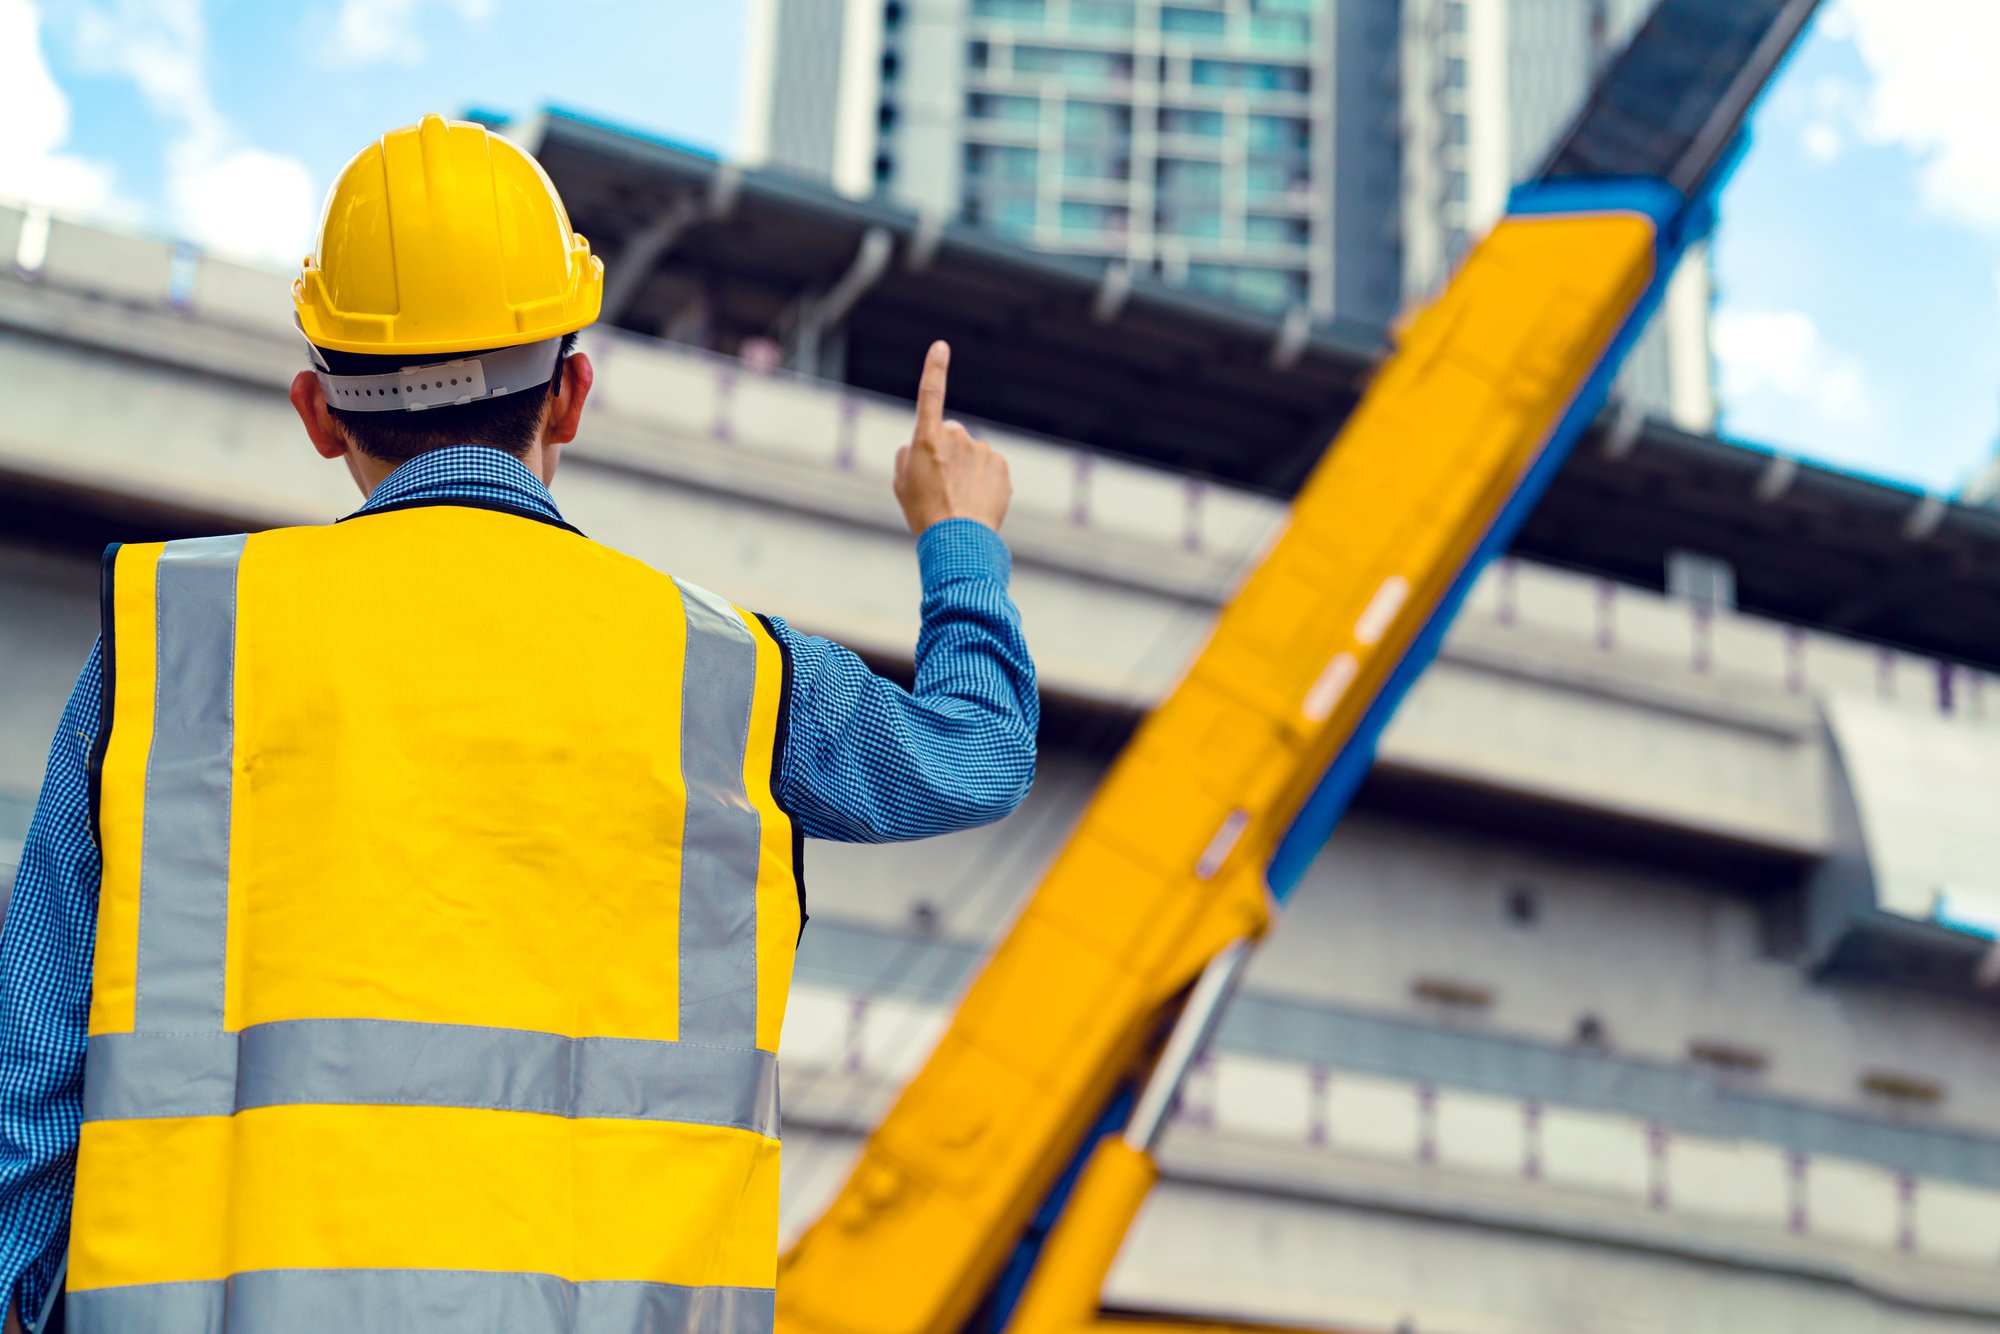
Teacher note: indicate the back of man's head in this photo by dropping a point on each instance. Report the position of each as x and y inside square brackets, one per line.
[444, 294]
[511, 422]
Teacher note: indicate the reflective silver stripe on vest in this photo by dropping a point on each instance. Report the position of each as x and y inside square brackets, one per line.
[435, 1301]
[184, 859]
[386, 1063]
[719, 846]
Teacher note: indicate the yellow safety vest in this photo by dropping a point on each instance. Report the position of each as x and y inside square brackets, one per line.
[447, 924]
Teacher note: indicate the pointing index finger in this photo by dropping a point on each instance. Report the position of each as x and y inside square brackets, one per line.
[930, 392]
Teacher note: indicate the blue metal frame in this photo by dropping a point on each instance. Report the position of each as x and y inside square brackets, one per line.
[1678, 224]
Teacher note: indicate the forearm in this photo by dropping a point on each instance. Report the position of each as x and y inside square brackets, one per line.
[45, 956]
[867, 761]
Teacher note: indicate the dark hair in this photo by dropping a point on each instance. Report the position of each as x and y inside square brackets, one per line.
[507, 423]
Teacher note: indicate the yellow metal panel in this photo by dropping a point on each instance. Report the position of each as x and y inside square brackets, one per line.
[122, 808]
[1063, 1294]
[1188, 818]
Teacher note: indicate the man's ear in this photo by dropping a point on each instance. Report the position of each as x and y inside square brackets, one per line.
[309, 401]
[567, 410]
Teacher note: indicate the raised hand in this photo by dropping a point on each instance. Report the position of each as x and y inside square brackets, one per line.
[943, 473]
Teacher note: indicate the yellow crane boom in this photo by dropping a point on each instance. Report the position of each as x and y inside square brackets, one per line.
[1227, 789]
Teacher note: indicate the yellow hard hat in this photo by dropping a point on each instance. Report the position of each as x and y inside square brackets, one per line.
[444, 237]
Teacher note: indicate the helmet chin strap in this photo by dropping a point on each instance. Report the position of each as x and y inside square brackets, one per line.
[440, 384]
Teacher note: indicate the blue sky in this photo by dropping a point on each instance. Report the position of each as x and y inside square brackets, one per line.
[1857, 262]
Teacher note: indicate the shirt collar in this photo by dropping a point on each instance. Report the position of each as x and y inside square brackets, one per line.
[459, 472]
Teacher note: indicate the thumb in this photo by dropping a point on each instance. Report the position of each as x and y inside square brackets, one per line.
[902, 464]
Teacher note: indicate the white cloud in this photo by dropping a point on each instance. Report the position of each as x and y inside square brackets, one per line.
[35, 115]
[247, 202]
[1822, 141]
[158, 44]
[1931, 91]
[369, 31]
[1782, 381]
[1830, 106]
[221, 193]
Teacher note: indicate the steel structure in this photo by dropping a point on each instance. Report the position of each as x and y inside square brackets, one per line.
[1002, 1183]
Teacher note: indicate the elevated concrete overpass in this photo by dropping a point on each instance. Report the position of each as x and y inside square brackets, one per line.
[1535, 1048]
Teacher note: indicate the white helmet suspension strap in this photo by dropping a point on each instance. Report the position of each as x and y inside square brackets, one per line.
[440, 384]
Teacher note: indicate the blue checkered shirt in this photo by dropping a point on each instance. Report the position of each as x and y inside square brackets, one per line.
[865, 762]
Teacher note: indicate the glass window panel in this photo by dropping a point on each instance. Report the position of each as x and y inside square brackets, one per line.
[1014, 217]
[1271, 289]
[1016, 11]
[1077, 216]
[1265, 287]
[1082, 66]
[1275, 231]
[1114, 15]
[1285, 32]
[1274, 177]
[1096, 118]
[1005, 109]
[1213, 278]
[1278, 134]
[1095, 165]
[1189, 179]
[1204, 224]
[1251, 74]
[1193, 22]
[1015, 164]
[1177, 120]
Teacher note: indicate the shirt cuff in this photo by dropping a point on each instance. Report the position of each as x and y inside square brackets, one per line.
[955, 549]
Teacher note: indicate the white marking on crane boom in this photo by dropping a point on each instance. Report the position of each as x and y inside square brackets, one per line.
[1381, 610]
[1331, 685]
[1218, 849]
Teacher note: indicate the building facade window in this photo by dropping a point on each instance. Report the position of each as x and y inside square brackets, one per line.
[1074, 66]
[1257, 76]
[1194, 223]
[1078, 216]
[1002, 162]
[1193, 22]
[1276, 231]
[1278, 133]
[1188, 179]
[1103, 15]
[1280, 32]
[1010, 11]
[1097, 119]
[1004, 109]
[1195, 124]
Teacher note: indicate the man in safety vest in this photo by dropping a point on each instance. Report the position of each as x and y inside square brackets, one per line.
[404, 932]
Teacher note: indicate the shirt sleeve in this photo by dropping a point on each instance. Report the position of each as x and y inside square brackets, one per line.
[46, 946]
[869, 762]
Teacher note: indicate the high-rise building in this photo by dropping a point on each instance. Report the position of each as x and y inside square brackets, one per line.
[1487, 87]
[1331, 156]
[1193, 141]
